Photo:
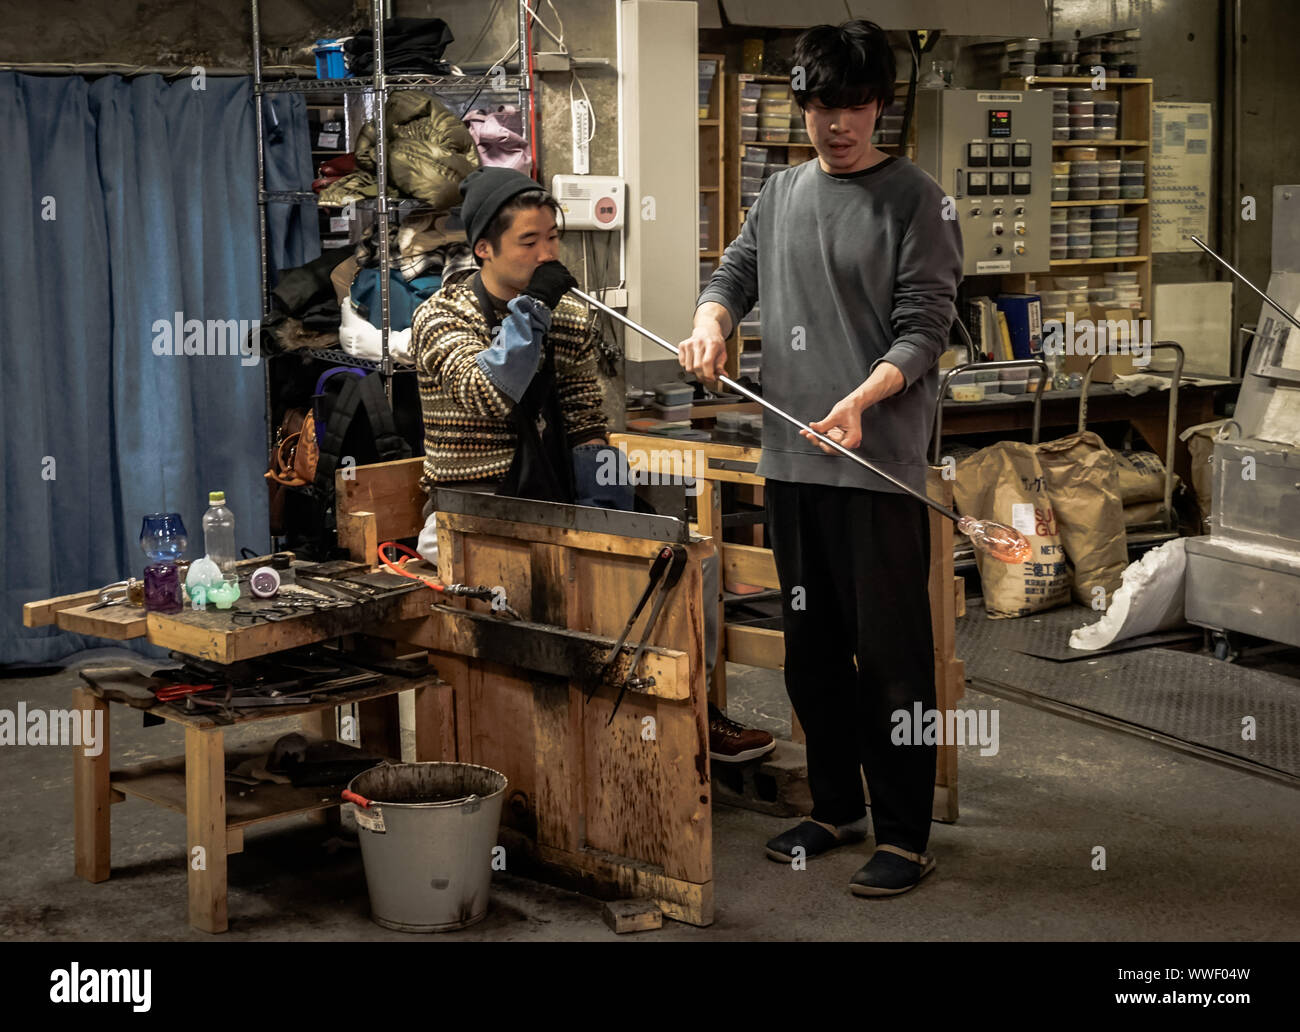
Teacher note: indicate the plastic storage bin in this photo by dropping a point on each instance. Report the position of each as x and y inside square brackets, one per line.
[329, 59]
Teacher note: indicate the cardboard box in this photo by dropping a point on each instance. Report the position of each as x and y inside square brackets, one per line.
[1110, 365]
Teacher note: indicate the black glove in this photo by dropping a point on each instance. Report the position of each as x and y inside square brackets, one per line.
[549, 283]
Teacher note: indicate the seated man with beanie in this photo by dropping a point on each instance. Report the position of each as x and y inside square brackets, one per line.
[506, 363]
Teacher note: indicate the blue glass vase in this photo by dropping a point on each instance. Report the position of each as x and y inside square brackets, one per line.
[163, 537]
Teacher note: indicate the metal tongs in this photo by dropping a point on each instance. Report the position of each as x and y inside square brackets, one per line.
[665, 572]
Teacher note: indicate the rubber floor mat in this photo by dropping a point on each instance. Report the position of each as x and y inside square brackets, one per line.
[1188, 696]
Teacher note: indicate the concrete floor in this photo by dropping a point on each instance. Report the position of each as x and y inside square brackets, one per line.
[1193, 852]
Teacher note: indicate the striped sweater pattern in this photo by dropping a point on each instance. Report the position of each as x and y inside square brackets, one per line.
[467, 433]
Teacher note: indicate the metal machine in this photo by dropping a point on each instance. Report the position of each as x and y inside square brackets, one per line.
[1245, 575]
[991, 151]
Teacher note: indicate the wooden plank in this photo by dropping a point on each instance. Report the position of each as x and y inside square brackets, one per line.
[587, 540]
[689, 902]
[749, 564]
[119, 623]
[163, 783]
[959, 596]
[91, 795]
[708, 512]
[234, 840]
[756, 646]
[205, 828]
[943, 609]
[558, 710]
[42, 613]
[625, 915]
[210, 635]
[549, 650]
[435, 721]
[358, 532]
[389, 491]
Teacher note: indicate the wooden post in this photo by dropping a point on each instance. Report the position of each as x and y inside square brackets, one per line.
[708, 508]
[92, 800]
[205, 820]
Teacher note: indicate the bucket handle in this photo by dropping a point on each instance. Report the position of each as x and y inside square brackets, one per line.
[351, 797]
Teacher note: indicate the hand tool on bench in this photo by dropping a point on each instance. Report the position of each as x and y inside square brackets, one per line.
[665, 572]
[996, 539]
[496, 597]
[174, 692]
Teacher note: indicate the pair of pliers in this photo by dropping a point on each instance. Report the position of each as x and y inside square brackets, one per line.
[172, 692]
[665, 572]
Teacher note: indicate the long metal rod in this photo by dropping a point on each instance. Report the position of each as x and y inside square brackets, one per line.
[726, 380]
[1282, 311]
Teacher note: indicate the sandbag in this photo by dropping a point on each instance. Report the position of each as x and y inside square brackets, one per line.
[1141, 476]
[1143, 512]
[1200, 444]
[1005, 482]
[1083, 484]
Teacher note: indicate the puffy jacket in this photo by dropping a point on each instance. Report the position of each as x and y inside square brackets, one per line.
[429, 150]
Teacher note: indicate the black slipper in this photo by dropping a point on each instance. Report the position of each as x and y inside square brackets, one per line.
[891, 871]
[813, 837]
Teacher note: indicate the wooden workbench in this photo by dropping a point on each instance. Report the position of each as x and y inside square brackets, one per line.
[195, 784]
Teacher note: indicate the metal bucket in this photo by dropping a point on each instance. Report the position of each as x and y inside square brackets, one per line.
[427, 834]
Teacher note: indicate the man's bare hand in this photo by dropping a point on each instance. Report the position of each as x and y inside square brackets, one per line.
[704, 353]
[843, 425]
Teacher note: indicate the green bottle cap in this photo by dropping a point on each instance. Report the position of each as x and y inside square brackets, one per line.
[216, 497]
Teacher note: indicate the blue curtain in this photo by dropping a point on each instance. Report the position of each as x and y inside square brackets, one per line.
[130, 213]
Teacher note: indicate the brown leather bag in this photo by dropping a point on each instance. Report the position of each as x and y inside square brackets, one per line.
[295, 451]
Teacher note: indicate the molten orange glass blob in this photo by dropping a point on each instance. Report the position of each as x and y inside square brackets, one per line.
[996, 539]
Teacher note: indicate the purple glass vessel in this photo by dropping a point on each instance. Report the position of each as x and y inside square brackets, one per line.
[162, 588]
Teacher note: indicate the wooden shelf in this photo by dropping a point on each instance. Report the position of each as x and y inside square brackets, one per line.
[710, 254]
[1099, 261]
[709, 121]
[1101, 143]
[1076, 80]
[162, 782]
[1108, 200]
[709, 189]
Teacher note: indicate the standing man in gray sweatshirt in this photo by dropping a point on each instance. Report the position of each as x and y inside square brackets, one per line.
[857, 271]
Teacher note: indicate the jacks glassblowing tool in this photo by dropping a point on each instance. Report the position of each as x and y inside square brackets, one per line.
[665, 572]
[996, 539]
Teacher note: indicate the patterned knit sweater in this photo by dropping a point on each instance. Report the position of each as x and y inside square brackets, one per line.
[467, 435]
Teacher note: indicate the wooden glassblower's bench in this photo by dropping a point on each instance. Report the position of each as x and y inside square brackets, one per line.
[615, 811]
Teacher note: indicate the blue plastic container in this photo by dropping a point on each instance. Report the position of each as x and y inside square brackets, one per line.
[329, 59]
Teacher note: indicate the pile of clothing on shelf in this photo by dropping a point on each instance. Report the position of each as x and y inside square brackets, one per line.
[334, 301]
[412, 46]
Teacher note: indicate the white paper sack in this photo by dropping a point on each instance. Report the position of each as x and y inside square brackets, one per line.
[427, 545]
[1150, 599]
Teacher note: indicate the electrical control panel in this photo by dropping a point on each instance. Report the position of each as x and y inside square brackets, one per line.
[589, 202]
[991, 151]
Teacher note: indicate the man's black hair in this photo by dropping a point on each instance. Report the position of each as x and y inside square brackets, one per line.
[505, 216]
[844, 66]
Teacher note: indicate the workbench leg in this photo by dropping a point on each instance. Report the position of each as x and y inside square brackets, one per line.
[708, 513]
[205, 820]
[323, 724]
[92, 804]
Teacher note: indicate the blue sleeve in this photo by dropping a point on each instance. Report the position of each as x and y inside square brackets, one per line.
[515, 354]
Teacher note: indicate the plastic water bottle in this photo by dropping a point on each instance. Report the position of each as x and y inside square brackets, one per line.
[219, 535]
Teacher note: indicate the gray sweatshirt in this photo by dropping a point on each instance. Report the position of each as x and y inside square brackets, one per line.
[849, 272]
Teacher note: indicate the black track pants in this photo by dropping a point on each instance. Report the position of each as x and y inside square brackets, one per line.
[854, 567]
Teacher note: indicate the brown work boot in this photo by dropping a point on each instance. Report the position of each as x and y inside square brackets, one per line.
[730, 742]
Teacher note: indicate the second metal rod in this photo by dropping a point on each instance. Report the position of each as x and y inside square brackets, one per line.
[1282, 311]
[727, 381]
